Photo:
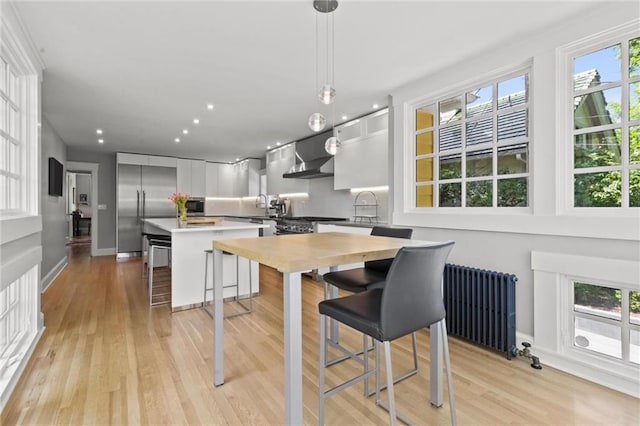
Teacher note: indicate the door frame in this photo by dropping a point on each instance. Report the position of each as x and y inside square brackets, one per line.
[91, 168]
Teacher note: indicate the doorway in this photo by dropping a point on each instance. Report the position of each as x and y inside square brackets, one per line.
[88, 203]
[79, 210]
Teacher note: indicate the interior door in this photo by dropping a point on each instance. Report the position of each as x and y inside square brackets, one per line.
[129, 208]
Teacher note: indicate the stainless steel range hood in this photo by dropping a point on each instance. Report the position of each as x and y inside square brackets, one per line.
[312, 160]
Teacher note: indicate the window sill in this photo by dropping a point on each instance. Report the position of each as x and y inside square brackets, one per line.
[19, 226]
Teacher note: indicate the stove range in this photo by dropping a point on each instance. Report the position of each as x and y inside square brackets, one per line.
[302, 224]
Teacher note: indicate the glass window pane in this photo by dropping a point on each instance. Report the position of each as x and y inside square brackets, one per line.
[597, 300]
[595, 68]
[424, 196]
[451, 166]
[450, 109]
[450, 138]
[479, 101]
[634, 307]
[480, 163]
[3, 154]
[12, 84]
[512, 92]
[513, 159]
[634, 57]
[12, 158]
[424, 169]
[3, 75]
[634, 106]
[424, 143]
[450, 195]
[513, 192]
[597, 189]
[634, 346]
[512, 125]
[13, 123]
[480, 131]
[597, 108]
[424, 117]
[634, 145]
[634, 188]
[597, 149]
[3, 117]
[480, 193]
[598, 337]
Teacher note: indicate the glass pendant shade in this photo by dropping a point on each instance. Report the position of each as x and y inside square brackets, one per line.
[327, 94]
[332, 145]
[317, 121]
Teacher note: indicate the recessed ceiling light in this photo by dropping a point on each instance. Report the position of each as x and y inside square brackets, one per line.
[268, 146]
[99, 131]
[100, 140]
[210, 107]
[185, 131]
[196, 121]
[376, 105]
[344, 117]
[177, 140]
[237, 159]
[277, 143]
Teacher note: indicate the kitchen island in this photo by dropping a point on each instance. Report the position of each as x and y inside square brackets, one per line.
[188, 259]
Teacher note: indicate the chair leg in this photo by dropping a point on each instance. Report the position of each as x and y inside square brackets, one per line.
[150, 274]
[376, 354]
[323, 355]
[365, 359]
[447, 364]
[392, 399]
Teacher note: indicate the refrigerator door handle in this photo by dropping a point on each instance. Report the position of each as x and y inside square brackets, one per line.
[144, 203]
[137, 206]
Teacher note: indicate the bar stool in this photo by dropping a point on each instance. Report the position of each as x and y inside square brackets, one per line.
[158, 244]
[247, 310]
[145, 241]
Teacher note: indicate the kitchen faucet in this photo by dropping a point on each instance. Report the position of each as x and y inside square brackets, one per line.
[266, 203]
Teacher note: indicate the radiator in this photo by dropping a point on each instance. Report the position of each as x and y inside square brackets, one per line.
[481, 307]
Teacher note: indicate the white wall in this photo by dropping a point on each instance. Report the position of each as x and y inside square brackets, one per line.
[504, 242]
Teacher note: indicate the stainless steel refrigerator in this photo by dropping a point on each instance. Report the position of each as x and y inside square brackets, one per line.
[143, 192]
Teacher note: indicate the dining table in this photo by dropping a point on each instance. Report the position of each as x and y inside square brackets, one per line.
[292, 255]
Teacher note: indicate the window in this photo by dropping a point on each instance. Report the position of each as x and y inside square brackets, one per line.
[606, 126]
[606, 320]
[472, 148]
[11, 149]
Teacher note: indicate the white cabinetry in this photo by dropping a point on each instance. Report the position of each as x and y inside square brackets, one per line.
[280, 161]
[146, 160]
[226, 175]
[362, 160]
[211, 175]
[247, 178]
[191, 177]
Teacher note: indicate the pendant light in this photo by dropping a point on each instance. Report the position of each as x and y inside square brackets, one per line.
[327, 94]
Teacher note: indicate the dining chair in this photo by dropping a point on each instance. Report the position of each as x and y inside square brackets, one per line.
[410, 300]
[372, 275]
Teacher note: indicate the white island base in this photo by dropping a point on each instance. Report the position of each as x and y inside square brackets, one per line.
[188, 260]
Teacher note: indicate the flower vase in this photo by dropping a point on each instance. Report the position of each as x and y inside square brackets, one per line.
[182, 218]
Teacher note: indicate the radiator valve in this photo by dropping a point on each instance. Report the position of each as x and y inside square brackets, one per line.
[526, 352]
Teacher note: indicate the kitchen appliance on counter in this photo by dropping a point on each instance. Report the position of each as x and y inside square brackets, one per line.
[195, 207]
[143, 192]
[302, 224]
[280, 206]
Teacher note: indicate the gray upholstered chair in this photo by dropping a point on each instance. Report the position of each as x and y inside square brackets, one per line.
[410, 300]
[372, 275]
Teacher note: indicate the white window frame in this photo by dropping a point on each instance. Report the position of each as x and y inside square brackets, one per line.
[564, 128]
[410, 131]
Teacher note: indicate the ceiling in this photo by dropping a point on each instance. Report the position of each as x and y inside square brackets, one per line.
[142, 71]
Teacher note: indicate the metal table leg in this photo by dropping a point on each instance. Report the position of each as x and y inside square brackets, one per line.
[218, 326]
[292, 348]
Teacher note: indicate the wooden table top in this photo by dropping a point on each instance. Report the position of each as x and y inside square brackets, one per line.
[301, 252]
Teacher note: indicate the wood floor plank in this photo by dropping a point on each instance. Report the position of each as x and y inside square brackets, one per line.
[106, 357]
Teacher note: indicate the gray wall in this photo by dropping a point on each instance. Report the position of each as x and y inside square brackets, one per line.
[54, 218]
[83, 186]
[106, 193]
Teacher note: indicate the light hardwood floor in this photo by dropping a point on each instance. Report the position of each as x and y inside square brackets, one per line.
[107, 358]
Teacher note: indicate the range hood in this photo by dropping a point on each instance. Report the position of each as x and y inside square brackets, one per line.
[312, 160]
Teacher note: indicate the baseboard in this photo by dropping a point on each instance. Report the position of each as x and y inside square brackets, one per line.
[46, 281]
[19, 369]
[621, 382]
[105, 252]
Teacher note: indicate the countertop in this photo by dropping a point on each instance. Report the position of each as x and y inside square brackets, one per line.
[171, 225]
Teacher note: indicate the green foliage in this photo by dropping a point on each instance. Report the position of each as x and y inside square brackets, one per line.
[604, 297]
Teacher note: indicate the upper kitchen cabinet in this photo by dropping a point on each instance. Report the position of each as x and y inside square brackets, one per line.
[211, 179]
[226, 180]
[247, 178]
[362, 160]
[146, 160]
[280, 161]
[191, 177]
